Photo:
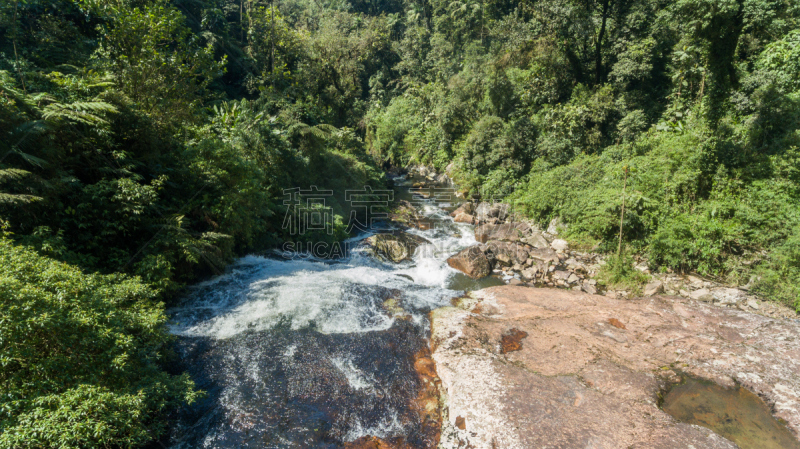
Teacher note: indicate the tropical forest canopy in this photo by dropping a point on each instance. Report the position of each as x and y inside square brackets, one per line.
[146, 143]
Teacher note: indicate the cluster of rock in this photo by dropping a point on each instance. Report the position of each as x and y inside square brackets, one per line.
[520, 252]
[694, 287]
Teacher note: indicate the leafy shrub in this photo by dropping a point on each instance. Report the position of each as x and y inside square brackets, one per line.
[81, 357]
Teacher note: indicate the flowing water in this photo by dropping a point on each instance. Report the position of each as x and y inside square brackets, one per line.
[305, 353]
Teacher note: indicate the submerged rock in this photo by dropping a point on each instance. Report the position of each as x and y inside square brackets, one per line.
[591, 369]
[395, 248]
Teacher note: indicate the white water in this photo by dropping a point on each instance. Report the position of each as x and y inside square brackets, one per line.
[250, 336]
[260, 293]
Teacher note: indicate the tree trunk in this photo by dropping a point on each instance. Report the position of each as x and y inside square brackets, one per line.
[272, 39]
[622, 213]
[599, 45]
[16, 56]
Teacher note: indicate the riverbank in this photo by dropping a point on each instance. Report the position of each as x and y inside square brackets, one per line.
[533, 367]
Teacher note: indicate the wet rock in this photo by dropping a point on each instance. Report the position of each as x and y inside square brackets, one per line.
[576, 366]
[508, 232]
[471, 261]
[559, 245]
[654, 288]
[405, 213]
[392, 305]
[395, 248]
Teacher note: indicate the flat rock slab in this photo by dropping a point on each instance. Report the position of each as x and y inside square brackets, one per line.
[590, 368]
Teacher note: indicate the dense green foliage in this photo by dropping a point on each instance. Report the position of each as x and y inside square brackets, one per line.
[151, 141]
[80, 357]
[546, 102]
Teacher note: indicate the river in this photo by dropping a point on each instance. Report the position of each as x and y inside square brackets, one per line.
[308, 353]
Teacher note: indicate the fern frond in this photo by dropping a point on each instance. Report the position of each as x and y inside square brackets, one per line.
[80, 111]
[29, 158]
[7, 198]
[12, 174]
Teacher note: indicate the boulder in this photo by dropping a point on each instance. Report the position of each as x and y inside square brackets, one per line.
[466, 208]
[485, 212]
[654, 288]
[702, 294]
[728, 296]
[508, 232]
[536, 240]
[511, 253]
[530, 273]
[464, 218]
[560, 245]
[395, 247]
[552, 228]
[545, 255]
[407, 214]
[591, 369]
[471, 261]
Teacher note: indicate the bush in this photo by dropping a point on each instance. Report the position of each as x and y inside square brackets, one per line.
[81, 357]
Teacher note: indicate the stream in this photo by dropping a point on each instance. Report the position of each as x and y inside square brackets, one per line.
[305, 353]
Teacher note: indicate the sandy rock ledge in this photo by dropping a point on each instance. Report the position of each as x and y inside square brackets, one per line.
[591, 367]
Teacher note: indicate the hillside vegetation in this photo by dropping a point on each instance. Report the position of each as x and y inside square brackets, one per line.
[146, 143]
[547, 104]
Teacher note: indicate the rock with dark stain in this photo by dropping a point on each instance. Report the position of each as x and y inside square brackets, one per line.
[461, 423]
[616, 323]
[512, 341]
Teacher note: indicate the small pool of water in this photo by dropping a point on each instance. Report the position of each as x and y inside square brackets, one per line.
[735, 413]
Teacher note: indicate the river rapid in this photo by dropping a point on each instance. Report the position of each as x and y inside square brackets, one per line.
[305, 353]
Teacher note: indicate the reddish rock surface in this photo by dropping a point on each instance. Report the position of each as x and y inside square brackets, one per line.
[512, 341]
[581, 380]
